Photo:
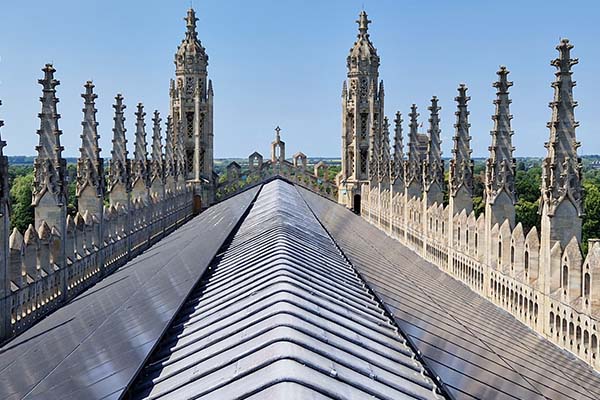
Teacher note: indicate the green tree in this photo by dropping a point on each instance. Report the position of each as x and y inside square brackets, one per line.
[20, 196]
[591, 221]
[526, 212]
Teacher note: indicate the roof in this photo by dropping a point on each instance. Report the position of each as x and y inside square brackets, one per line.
[92, 347]
[279, 292]
[281, 311]
[477, 349]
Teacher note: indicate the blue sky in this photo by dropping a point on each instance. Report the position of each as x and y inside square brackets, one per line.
[277, 62]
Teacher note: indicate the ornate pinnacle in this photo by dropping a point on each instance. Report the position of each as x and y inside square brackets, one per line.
[170, 168]
[119, 165]
[413, 167]
[363, 22]
[434, 165]
[49, 166]
[210, 88]
[398, 149]
[157, 157]
[384, 153]
[461, 165]
[500, 166]
[561, 170]
[374, 147]
[90, 167]
[140, 153]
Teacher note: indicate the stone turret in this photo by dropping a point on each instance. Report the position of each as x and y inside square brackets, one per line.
[50, 185]
[461, 165]
[398, 163]
[156, 161]
[433, 167]
[139, 170]
[362, 115]
[413, 172]
[384, 155]
[500, 166]
[119, 184]
[90, 166]
[192, 111]
[562, 194]
[170, 166]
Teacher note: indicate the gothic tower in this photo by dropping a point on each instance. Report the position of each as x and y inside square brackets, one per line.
[561, 203]
[192, 110]
[362, 116]
[500, 191]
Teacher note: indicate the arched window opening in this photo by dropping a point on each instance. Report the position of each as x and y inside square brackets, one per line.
[565, 278]
[499, 251]
[586, 284]
[512, 258]
[526, 263]
[458, 235]
[476, 244]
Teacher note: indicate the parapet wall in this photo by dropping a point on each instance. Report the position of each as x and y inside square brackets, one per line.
[560, 301]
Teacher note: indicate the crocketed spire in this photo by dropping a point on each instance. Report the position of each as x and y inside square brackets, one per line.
[398, 171]
[561, 170]
[49, 165]
[191, 56]
[363, 56]
[140, 153]
[384, 154]
[157, 156]
[461, 165]
[433, 171]
[90, 166]
[500, 166]
[413, 164]
[119, 165]
[170, 168]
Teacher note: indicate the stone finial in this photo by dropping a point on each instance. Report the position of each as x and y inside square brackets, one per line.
[90, 166]
[461, 165]
[157, 155]
[190, 23]
[433, 173]
[501, 166]
[384, 154]
[170, 167]
[413, 177]
[561, 169]
[210, 88]
[119, 164]
[363, 22]
[49, 166]
[398, 171]
[344, 90]
[140, 154]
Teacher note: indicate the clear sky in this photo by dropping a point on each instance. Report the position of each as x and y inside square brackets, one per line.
[276, 62]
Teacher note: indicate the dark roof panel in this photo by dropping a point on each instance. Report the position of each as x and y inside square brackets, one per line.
[93, 346]
[282, 314]
[476, 348]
